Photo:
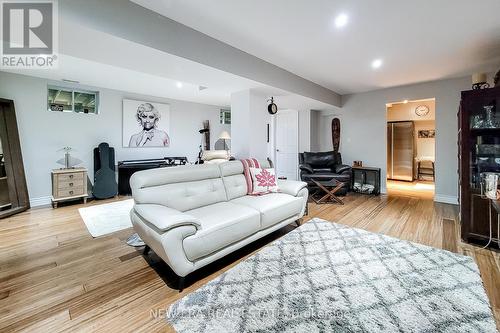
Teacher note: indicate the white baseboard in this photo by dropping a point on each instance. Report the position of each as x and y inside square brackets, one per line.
[449, 199]
[40, 201]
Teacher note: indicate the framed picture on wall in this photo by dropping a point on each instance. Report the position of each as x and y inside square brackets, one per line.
[145, 124]
[427, 134]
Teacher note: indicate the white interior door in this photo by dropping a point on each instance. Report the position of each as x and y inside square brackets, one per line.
[287, 143]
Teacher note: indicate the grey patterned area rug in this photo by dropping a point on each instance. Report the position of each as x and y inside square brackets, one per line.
[327, 277]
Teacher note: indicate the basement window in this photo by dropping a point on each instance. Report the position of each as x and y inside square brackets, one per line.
[225, 116]
[60, 99]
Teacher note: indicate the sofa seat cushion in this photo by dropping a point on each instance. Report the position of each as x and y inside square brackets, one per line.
[273, 207]
[222, 224]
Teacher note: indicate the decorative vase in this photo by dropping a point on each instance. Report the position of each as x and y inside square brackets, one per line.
[490, 121]
[490, 185]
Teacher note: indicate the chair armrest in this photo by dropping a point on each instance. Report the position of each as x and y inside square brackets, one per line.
[165, 218]
[342, 168]
[291, 187]
[306, 167]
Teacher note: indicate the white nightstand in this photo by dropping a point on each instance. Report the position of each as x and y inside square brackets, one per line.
[69, 184]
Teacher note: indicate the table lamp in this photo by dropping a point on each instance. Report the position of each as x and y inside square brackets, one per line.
[225, 136]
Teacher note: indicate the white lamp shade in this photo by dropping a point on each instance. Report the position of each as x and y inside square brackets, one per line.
[225, 136]
[478, 78]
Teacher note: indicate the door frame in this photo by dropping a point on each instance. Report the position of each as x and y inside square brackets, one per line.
[273, 130]
[423, 100]
[18, 190]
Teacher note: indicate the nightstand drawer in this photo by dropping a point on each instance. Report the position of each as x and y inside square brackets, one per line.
[61, 185]
[70, 177]
[63, 193]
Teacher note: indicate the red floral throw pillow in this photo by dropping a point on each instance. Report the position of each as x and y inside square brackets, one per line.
[264, 181]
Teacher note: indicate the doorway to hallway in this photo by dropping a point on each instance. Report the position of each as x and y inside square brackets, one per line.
[411, 153]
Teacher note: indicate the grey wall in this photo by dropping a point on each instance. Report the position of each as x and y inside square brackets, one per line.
[364, 128]
[315, 128]
[321, 130]
[304, 130]
[42, 133]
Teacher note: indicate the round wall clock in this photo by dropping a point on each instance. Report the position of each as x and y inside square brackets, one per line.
[422, 110]
[272, 108]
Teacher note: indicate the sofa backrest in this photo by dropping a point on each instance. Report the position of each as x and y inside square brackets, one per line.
[327, 159]
[233, 178]
[182, 188]
[190, 186]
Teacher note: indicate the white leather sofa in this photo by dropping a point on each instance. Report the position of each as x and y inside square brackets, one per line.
[193, 215]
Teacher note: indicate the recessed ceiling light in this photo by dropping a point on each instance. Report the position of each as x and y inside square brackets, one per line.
[179, 84]
[341, 20]
[377, 63]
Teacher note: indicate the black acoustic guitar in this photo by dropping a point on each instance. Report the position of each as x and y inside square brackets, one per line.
[105, 185]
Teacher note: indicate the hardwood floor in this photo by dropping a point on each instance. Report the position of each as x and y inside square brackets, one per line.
[55, 278]
[417, 188]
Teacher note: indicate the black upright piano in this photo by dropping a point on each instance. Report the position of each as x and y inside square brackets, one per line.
[127, 168]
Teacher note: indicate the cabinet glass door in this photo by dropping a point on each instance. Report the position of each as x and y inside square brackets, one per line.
[484, 122]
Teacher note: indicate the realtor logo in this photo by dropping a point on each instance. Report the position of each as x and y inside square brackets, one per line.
[29, 36]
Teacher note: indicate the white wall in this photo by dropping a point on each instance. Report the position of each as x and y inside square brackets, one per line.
[364, 128]
[249, 119]
[406, 112]
[42, 133]
[185, 42]
[426, 147]
[240, 119]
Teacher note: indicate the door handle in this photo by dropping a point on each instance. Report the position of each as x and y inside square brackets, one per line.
[277, 150]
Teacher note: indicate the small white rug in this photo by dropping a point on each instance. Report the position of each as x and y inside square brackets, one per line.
[107, 218]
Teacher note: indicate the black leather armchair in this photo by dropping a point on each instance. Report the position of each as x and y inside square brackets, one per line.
[324, 166]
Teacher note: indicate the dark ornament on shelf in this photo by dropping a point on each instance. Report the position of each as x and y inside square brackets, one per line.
[496, 80]
[272, 108]
[480, 85]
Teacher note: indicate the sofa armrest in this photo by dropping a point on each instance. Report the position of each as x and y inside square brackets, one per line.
[306, 167]
[342, 168]
[291, 187]
[165, 218]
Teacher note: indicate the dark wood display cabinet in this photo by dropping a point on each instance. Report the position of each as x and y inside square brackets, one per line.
[478, 154]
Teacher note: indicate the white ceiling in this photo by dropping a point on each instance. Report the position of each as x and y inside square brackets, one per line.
[119, 64]
[418, 40]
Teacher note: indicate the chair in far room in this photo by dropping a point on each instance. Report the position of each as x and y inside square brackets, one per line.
[425, 168]
[324, 167]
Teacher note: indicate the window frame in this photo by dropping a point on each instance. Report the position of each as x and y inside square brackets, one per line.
[222, 116]
[96, 93]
